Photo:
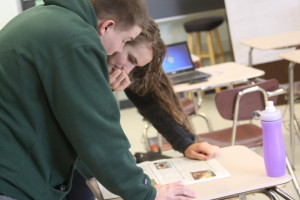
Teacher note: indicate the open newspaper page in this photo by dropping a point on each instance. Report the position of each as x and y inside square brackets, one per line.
[181, 169]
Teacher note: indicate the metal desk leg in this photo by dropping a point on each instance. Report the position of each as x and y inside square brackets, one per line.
[294, 178]
[281, 193]
[242, 197]
[250, 57]
[297, 126]
[291, 105]
[271, 194]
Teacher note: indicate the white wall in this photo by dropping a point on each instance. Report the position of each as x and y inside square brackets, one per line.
[256, 18]
[8, 10]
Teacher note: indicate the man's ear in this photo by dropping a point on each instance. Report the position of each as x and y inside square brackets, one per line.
[104, 26]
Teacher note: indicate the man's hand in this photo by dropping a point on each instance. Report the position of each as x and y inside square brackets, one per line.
[174, 191]
[118, 79]
[201, 151]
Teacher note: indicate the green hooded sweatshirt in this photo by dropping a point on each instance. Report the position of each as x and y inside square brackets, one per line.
[56, 105]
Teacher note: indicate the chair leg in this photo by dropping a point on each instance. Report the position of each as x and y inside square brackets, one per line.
[208, 123]
[211, 51]
[198, 46]
[220, 51]
[210, 47]
[145, 136]
[190, 42]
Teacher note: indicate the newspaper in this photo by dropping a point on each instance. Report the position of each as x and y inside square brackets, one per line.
[182, 169]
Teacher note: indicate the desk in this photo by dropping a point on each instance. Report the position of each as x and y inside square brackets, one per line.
[294, 58]
[221, 75]
[247, 175]
[247, 171]
[272, 42]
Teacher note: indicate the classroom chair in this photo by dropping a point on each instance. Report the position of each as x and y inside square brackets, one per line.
[207, 26]
[239, 104]
[154, 142]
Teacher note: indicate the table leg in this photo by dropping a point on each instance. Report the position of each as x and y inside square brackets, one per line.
[281, 193]
[250, 57]
[294, 178]
[271, 194]
[291, 106]
[242, 197]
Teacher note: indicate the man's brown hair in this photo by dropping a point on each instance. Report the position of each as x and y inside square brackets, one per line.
[126, 13]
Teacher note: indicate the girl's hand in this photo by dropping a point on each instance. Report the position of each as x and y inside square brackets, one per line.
[201, 151]
[118, 79]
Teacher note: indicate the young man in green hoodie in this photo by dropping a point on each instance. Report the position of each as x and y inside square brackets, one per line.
[56, 103]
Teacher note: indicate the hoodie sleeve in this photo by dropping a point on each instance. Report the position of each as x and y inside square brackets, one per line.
[86, 109]
[165, 124]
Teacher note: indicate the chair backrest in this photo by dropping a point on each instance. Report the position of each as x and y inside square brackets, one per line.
[225, 100]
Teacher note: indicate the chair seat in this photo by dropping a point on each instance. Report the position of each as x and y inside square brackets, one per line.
[248, 135]
[204, 24]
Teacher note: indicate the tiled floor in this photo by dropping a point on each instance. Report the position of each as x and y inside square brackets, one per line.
[133, 126]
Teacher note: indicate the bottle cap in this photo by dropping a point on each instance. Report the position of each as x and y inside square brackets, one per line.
[270, 113]
[270, 106]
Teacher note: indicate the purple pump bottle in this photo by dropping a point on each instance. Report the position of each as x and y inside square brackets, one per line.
[273, 143]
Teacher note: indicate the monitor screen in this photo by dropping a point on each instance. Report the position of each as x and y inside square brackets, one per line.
[177, 58]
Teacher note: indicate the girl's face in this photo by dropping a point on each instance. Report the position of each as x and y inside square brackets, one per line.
[138, 55]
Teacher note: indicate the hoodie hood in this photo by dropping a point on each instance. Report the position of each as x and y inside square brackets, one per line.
[83, 8]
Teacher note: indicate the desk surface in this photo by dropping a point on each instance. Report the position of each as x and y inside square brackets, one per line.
[222, 75]
[247, 174]
[293, 56]
[277, 41]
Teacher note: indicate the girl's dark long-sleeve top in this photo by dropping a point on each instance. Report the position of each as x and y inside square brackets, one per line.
[175, 133]
[56, 105]
[149, 108]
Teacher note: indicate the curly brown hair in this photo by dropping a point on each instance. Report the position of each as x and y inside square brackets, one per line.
[151, 77]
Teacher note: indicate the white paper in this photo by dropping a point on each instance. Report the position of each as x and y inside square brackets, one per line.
[182, 169]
